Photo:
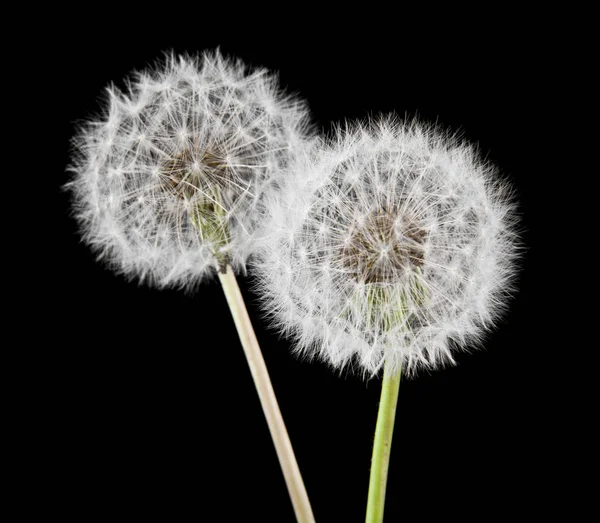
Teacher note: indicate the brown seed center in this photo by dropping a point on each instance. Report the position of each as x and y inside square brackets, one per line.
[386, 245]
[194, 170]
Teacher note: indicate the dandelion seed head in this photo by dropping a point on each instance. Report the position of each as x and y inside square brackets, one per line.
[399, 244]
[166, 181]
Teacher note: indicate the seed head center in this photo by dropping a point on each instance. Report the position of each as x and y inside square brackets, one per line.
[386, 245]
[195, 172]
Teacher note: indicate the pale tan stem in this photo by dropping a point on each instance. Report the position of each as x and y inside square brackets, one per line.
[281, 440]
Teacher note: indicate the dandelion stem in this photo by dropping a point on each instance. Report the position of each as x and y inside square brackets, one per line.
[266, 394]
[382, 445]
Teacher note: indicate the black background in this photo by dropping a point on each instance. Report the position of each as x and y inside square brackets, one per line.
[144, 403]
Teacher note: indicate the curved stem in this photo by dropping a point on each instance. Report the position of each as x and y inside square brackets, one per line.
[266, 394]
[382, 445]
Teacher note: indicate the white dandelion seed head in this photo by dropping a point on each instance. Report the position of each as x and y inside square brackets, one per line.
[392, 243]
[167, 181]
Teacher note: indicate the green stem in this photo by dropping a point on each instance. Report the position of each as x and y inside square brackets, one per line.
[258, 369]
[382, 445]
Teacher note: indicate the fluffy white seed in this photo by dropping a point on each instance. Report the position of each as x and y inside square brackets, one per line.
[167, 181]
[393, 242]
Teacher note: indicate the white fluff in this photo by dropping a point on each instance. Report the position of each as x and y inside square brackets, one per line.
[192, 136]
[391, 242]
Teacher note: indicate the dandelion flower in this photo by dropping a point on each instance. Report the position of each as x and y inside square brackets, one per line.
[393, 245]
[167, 180]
